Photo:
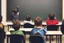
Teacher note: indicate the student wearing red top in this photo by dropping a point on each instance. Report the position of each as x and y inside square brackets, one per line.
[52, 23]
[52, 19]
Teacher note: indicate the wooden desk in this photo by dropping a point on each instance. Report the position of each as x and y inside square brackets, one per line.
[43, 23]
[48, 33]
[58, 35]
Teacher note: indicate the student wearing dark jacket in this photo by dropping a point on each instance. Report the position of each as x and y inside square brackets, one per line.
[2, 32]
[62, 27]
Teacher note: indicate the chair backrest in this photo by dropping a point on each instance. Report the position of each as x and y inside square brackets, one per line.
[17, 39]
[2, 35]
[36, 39]
[52, 27]
[28, 25]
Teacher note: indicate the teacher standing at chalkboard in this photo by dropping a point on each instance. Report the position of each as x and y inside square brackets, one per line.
[15, 14]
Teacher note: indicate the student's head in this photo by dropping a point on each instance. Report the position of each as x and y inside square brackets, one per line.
[15, 11]
[16, 24]
[0, 19]
[38, 21]
[28, 17]
[51, 16]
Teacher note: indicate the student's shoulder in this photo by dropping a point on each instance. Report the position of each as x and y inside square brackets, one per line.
[34, 29]
[1, 25]
[44, 28]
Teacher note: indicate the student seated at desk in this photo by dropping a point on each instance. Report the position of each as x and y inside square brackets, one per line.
[16, 26]
[62, 27]
[28, 19]
[1, 25]
[28, 22]
[38, 29]
[52, 19]
[52, 23]
[2, 32]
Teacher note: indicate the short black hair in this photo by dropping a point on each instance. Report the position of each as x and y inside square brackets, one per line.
[16, 26]
[51, 16]
[0, 18]
[38, 21]
[28, 17]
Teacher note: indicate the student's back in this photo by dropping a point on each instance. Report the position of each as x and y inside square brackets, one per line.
[2, 32]
[52, 19]
[62, 27]
[38, 29]
[16, 28]
[2, 35]
[28, 22]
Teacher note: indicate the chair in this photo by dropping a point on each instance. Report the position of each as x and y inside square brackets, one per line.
[17, 39]
[36, 39]
[52, 28]
[28, 25]
[2, 35]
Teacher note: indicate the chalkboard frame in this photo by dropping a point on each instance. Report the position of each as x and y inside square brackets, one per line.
[22, 20]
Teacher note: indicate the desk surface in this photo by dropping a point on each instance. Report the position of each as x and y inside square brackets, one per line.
[23, 29]
[47, 33]
[43, 23]
[29, 30]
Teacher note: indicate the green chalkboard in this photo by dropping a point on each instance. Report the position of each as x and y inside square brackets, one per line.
[35, 8]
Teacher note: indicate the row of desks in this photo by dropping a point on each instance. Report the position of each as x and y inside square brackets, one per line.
[48, 33]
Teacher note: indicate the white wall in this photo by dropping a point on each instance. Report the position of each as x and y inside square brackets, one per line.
[4, 11]
[62, 9]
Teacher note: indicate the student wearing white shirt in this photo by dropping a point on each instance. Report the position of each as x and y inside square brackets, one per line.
[28, 22]
[28, 19]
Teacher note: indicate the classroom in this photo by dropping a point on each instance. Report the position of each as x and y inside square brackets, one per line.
[37, 13]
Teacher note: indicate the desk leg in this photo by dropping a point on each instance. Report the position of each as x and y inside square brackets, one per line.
[60, 39]
[56, 39]
[8, 28]
[7, 39]
[50, 39]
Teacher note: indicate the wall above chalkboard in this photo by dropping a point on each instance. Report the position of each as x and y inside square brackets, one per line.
[35, 8]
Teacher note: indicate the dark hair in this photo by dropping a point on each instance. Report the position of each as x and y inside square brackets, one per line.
[0, 19]
[15, 11]
[28, 17]
[38, 21]
[51, 16]
[16, 26]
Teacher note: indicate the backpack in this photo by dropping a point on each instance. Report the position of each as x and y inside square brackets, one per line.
[38, 32]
